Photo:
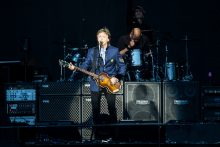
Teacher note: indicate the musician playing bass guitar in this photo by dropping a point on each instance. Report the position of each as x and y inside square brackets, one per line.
[107, 64]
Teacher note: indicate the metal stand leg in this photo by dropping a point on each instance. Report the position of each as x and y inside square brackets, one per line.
[165, 65]
[188, 76]
[156, 68]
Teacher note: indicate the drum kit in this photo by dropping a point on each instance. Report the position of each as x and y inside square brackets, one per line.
[160, 70]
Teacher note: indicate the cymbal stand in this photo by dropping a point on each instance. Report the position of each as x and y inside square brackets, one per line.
[165, 66]
[188, 76]
[62, 69]
[156, 76]
[152, 64]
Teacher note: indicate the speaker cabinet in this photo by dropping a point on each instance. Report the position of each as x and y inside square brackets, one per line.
[87, 112]
[59, 108]
[60, 88]
[181, 101]
[210, 97]
[142, 101]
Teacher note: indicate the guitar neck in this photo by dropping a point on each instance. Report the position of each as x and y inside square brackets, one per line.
[86, 72]
[66, 64]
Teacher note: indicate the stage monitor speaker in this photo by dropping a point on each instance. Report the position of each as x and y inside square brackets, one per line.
[140, 133]
[59, 108]
[181, 101]
[201, 134]
[142, 101]
[87, 112]
[50, 134]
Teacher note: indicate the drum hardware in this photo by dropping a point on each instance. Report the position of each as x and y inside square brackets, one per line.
[171, 71]
[188, 75]
[146, 30]
[136, 62]
[77, 58]
[138, 75]
[136, 57]
[62, 69]
[68, 56]
[155, 69]
[73, 49]
[152, 63]
[166, 59]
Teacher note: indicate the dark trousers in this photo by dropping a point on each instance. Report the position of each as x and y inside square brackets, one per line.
[96, 107]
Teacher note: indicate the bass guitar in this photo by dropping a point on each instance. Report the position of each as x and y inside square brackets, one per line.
[102, 80]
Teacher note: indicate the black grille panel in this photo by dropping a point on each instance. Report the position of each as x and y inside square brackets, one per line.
[60, 88]
[59, 108]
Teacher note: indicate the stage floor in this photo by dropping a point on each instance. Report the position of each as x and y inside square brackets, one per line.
[122, 133]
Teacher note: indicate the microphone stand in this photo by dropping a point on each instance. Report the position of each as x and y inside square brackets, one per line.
[98, 68]
[99, 64]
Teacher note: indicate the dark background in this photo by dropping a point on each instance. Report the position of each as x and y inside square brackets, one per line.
[44, 24]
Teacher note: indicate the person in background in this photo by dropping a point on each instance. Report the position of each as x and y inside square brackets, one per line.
[134, 49]
[138, 20]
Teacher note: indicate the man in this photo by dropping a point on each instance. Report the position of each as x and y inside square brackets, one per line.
[138, 17]
[104, 58]
[134, 47]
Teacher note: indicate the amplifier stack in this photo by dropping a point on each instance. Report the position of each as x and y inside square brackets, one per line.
[21, 104]
[210, 96]
[138, 101]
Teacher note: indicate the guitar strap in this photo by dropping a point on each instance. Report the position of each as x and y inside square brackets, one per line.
[94, 60]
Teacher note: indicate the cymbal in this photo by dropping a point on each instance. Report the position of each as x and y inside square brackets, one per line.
[146, 30]
[185, 39]
[67, 43]
[73, 49]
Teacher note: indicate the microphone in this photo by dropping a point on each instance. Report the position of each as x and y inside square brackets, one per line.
[100, 43]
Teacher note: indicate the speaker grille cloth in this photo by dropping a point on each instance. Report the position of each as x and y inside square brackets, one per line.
[59, 108]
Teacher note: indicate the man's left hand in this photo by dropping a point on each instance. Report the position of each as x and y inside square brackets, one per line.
[114, 80]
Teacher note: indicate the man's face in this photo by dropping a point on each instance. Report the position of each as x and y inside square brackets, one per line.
[136, 34]
[139, 14]
[103, 37]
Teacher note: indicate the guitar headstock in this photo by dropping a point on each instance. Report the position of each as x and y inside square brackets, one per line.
[63, 63]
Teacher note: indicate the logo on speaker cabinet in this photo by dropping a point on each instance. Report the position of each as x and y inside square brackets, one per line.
[142, 102]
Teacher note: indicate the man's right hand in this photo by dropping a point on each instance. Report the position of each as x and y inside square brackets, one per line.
[130, 45]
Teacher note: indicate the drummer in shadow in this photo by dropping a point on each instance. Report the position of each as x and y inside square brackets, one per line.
[134, 47]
